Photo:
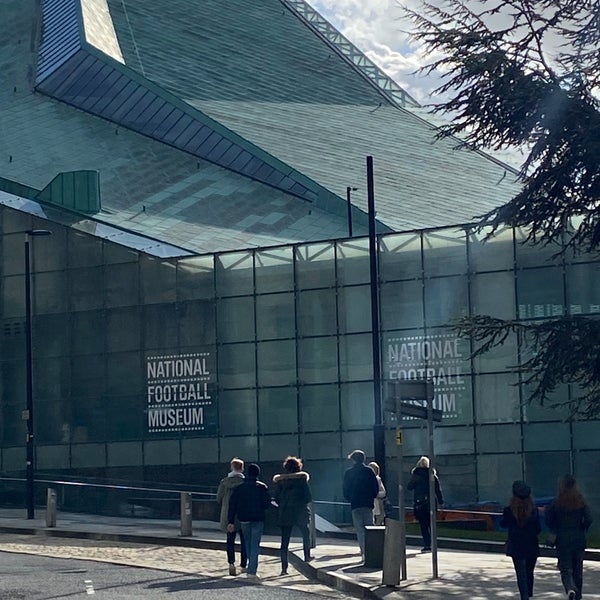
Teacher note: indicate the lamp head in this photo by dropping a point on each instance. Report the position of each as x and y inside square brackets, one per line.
[38, 232]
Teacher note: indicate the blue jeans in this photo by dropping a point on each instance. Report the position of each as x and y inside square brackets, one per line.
[524, 569]
[361, 517]
[252, 531]
[231, 548]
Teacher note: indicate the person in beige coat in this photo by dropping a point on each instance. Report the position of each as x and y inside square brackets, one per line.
[234, 478]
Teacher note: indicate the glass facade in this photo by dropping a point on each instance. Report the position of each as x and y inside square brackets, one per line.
[163, 369]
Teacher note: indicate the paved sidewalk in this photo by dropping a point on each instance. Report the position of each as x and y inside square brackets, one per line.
[157, 544]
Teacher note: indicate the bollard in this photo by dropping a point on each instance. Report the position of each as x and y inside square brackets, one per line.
[312, 525]
[186, 514]
[51, 508]
[392, 553]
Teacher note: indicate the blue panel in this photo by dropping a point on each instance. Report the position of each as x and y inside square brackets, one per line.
[100, 105]
[156, 118]
[264, 172]
[199, 139]
[75, 72]
[95, 87]
[231, 155]
[211, 141]
[63, 77]
[253, 165]
[187, 136]
[169, 124]
[240, 162]
[161, 120]
[178, 128]
[131, 118]
[130, 102]
[79, 87]
[119, 98]
[217, 152]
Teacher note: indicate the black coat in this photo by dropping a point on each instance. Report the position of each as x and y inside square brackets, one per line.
[419, 483]
[249, 501]
[570, 526]
[292, 494]
[522, 540]
[360, 486]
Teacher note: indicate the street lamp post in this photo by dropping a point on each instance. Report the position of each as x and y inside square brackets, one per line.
[349, 191]
[30, 471]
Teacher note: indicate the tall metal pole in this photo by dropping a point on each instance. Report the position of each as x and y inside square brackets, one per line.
[30, 467]
[378, 428]
[432, 496]
[29, 442]
[349, 206]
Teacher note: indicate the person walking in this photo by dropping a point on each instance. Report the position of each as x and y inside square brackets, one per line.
[248, 503]
[379, 502]
[419, 483]
[292, 495]
[360, 488]
[522, 520]
[568, 516]
[234, 478]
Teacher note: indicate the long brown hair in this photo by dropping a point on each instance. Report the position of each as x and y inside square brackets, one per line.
[569, 495]
[521, 508]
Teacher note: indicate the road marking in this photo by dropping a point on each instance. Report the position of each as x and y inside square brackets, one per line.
[89, 587]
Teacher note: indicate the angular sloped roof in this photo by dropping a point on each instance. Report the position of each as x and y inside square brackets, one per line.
[258, 120]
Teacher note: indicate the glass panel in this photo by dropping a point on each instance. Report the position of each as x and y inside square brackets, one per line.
[117, 254]
[84, 250]
[315, 266]
[237, 410]
[400, 257]
[452, 440]
[49, 292]
[88, 332]
[48, 253]
[196, 323]
[356, 357]
[499, 438]
[546, 436]
[86, 288]
[585, 435]
[533, 255]
[88, 419]
[157, 280]
[271, 447]
[493, 294]
[583, 288]
[123, 329]
[246, 446]
[540, 293]
[237, 366]
[317, 360]
[495, 475]
[234, 274]
[52, 379]
[125, 417]
[353, 264]
[445, 300]
[496, 398]
[358, 410]
[13, 296]
[235, 319]
[160, 326]
[542, 470]
[502, 358]
[401, 305]
[444, 252]
[354, 309]
[317, 446]
[195, 278]
[274, 270]
[122, 285]
[316, 312]
[535, 412]
[125, 375]
[491, 254]
[278, 410]
[276, 363]
[275, 316]
[53, 333]
[319, 408]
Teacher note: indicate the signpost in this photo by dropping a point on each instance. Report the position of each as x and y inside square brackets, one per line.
[402, 395]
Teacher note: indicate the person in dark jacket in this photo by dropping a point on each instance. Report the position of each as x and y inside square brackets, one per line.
[522, 520]
[568, 516]
[248, 503]
[292, 495]
[419, 483]
[234, 478]
[360, 489]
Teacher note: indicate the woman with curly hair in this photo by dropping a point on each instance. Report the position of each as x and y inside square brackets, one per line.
[292, 494]
[568, 516]
[522, 520]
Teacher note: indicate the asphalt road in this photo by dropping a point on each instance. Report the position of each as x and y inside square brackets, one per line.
[42, 568]
[25, 577]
